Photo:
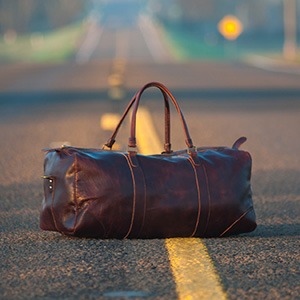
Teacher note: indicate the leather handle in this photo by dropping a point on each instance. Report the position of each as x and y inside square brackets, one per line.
[167, 145]
[164, 90]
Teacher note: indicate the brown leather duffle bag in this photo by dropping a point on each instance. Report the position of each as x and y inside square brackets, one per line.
[197, 192]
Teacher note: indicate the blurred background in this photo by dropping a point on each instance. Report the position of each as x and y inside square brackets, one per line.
[51, 31]
[67, 70]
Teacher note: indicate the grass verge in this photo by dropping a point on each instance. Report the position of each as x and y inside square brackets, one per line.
[185, 45]
[55, 46]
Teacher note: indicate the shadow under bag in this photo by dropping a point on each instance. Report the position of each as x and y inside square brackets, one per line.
[197, 192]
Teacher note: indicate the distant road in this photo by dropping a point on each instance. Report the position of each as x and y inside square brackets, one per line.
[141, 41]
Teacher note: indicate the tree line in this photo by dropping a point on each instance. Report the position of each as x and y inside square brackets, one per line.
[24, 16]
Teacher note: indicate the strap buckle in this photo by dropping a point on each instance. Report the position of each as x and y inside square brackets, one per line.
[192, 150]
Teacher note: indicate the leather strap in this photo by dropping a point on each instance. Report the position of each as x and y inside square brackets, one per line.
[167, 145]
[237, 144]
[204, 200]
[164, 90]
[139, 196]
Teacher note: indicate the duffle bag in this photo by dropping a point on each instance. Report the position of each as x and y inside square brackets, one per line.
[103, 193]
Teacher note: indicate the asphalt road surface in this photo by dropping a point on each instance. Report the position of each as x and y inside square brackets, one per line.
[47, 105]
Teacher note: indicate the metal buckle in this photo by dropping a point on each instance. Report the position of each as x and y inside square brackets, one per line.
[132, 149]
[192, 150]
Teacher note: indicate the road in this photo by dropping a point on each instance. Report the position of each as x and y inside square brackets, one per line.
[46, 105]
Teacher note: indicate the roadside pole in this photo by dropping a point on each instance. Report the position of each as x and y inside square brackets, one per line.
[290, 29]
[231, 28]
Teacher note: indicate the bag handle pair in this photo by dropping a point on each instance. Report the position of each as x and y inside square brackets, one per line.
[167, 145]
[135, 103]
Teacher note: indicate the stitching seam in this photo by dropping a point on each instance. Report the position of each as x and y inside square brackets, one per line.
[75, 191]
[134, 196]
[198, 197]
[242, 216]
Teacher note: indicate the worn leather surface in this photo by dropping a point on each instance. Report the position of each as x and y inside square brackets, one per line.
[105, 194]
[204, 192]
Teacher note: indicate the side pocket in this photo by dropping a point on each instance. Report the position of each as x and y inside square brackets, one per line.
[47, 218]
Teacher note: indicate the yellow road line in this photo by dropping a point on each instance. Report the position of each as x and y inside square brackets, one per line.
[193, 269]
[147, 139]
[109, 121]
